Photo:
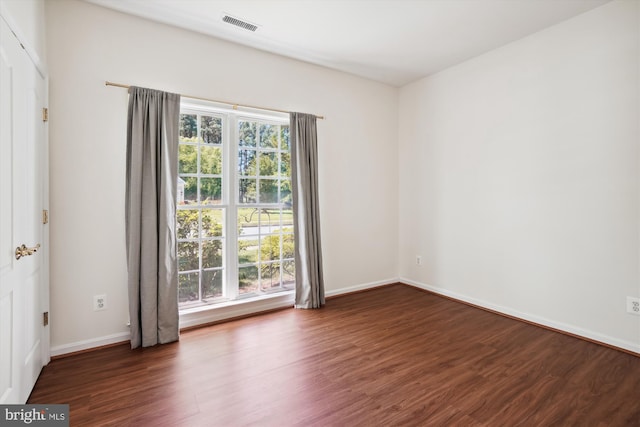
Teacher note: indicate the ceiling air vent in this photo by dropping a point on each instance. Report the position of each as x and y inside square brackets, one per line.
[239, 23]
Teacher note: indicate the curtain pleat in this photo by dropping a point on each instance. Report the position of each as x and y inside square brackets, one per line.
[306, 213]
[151, 185]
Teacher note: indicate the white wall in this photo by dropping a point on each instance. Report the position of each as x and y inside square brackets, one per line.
[519, 177]
[88, 45]
[27, 18]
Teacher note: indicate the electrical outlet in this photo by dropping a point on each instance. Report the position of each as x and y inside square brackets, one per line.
[418, 259]
[99, 302]
[633, 305]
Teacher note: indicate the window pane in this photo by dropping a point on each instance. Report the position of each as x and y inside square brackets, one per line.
[247, 250]
[268, 191]
[190, 190]
[188, 256]
[284, 138]
[211, 284]
[211, 130]
[211, 160]
[268, 136]
[268, 164]
[247, 162]
[288, 245]
[247, 134]
[269, 220]
[187, 223]
[287, 219]
[188, 127]
[188, 287]
[248, 279]
[247, 190]
[211, 253]
[288, 274]
[210, 191]
[285, 193]
[270, 276]
[212, 223]
[248, 221]
[285, 164]
[270, 248]
[188, 159]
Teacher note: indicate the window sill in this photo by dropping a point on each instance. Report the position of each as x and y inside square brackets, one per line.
[204, 314]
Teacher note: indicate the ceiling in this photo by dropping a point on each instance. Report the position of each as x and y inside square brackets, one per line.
[390, 41]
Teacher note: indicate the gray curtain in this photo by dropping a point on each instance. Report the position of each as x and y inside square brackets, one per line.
[152, 162]
[306, 214]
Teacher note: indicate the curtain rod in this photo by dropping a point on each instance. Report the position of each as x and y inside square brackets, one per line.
[233, 105]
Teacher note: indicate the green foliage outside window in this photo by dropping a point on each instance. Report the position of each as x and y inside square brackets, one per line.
[270, 251]
[210, 150]
[189, 250]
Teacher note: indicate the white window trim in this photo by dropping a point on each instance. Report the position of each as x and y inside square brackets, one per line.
[232, 309]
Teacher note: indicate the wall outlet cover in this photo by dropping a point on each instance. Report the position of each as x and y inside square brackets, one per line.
[633, 305]
[99, 302]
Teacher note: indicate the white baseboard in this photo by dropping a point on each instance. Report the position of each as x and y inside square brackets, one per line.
[195, 317]
[60, 350]
[203, 316]
[206, 315]
[243, 308]
[571, 329]
[361, 287]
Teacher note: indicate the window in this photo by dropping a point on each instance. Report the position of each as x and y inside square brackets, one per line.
[235, 219]
[265, 217]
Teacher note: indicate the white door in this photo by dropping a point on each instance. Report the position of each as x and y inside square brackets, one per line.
[24, 338]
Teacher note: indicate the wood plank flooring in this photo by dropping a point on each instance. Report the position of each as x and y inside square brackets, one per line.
[386, 357]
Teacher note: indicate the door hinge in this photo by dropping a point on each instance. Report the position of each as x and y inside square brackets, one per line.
[45, 216]
[45, 114]
[45, 318]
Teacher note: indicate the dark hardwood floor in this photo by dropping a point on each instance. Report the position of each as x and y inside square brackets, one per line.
[389, 356]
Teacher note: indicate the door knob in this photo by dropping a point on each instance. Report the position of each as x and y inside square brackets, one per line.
[23, 250]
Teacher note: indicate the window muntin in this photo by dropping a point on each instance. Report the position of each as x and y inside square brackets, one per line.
[235, 221]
